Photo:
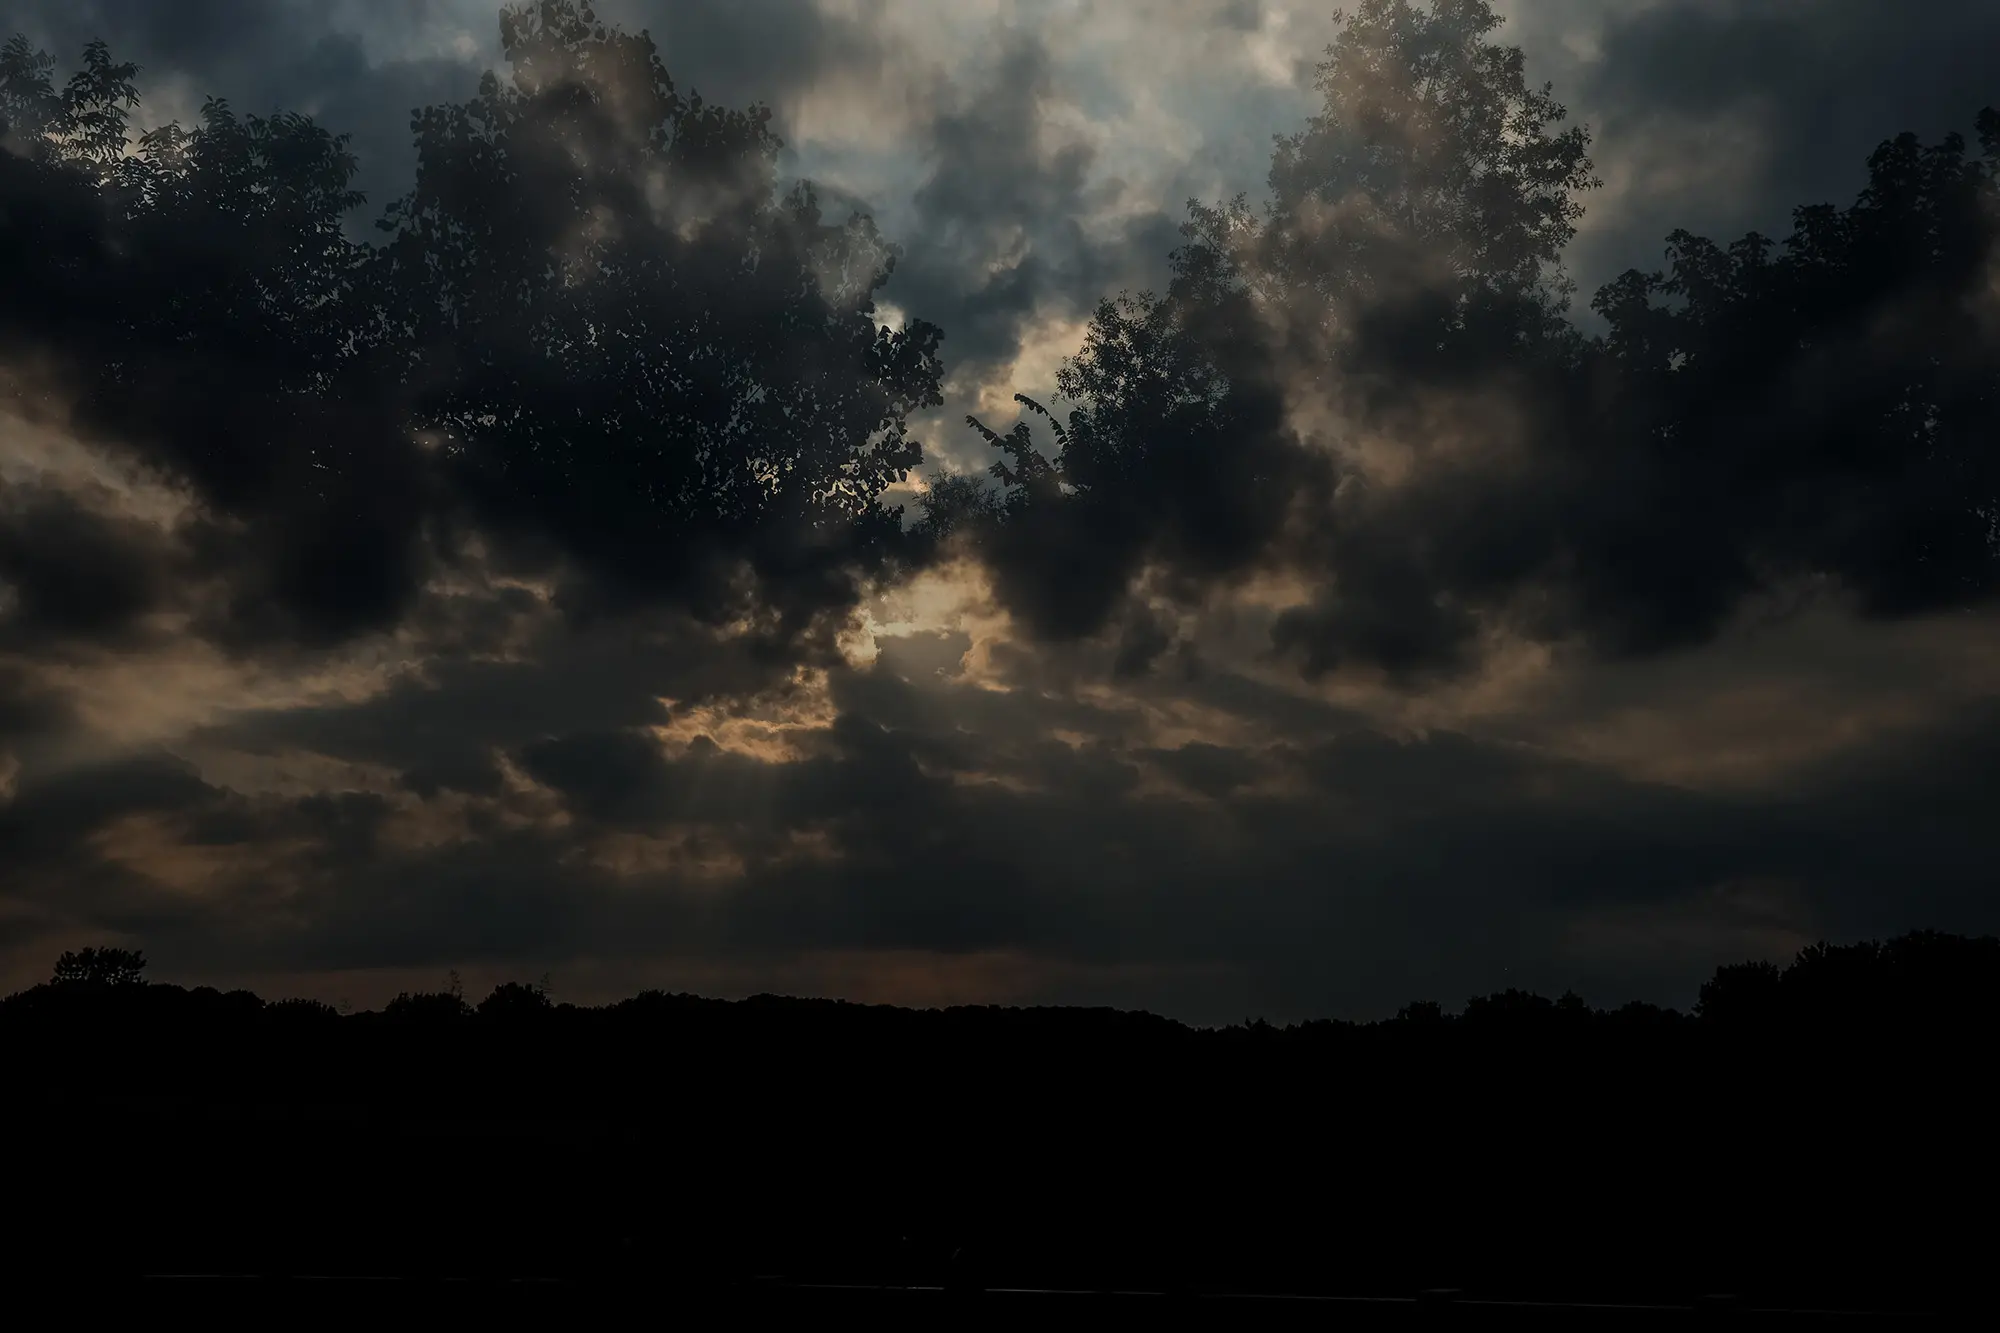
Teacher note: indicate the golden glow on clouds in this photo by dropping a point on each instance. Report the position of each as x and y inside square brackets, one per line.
[526, 803]
[155, 847]
[135, 701]
[1763, 705]
[1043, 347]
[768, 729]
[953, 598]
[42, 452]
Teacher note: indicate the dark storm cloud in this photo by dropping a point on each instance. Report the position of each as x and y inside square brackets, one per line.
[1453, 847]
[759, 50]
[992, 188]
[1802, 91]
[349, 418]
[999, 237]
[1328, 872]
[73, 571]
[1836, 70]
[1756, 418]
[24, 708]
[192, 332]
[1210, 770]
[362, 69]
[440, 728]
[291, 55]
[1900, 831]
[52, 814]
[61, 834]
[1111, 786]
[993, 179]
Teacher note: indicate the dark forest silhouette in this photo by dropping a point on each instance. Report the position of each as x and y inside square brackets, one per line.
[599, 340]
[1803, 1133]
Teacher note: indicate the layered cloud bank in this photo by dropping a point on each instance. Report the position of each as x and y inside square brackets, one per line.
[573, 558]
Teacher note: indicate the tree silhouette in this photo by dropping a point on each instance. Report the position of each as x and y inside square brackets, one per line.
[1835, 395]
[621, 338]
[82, 125]
[953, 504]
[1425, 208]
[1412, 236]
[1759, 417]
[514, 1002]
[1740, 993]
[1421, 1011]
[1590, 1152]
[188, 295]
[101, 967]
[427, 1008]
[304, 1012]
[596, 335]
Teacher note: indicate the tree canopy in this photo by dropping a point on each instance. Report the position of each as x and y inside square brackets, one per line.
[1754, 419]
[100, 966]
[623, 338]
[595, 337]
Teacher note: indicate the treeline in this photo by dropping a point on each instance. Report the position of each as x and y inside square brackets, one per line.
[1925, 980]
[1812, 1133]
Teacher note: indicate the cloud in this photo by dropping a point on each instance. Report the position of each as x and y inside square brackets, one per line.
[72, 571]
[1365, 668]
[1301, 859]
[50, 816]
[1373, 388]
[1007, 229]
[1726, 114]
[351, 421]
[360, 69]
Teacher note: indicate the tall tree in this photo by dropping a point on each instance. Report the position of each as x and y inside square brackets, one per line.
[597, 334]
[1412, 235]
[1431, 197]
[1831, 402]
[628, 343]
[185, 294]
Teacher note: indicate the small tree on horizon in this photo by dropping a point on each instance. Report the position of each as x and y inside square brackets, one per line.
[101, 967]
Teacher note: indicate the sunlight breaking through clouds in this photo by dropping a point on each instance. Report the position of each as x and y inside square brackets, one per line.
[596, 572]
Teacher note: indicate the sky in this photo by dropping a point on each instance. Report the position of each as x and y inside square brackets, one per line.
[1280, 772]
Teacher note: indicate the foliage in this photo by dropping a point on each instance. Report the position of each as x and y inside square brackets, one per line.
[427, 1008]
[621, 335]
[515, 1001]
[101, 967]
[1843, 378]
[1423, 210]
[596, 332]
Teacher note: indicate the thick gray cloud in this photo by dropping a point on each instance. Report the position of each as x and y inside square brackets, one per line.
[477, 770]
[999, 224]
[359, 69]
[75, 572]
[1724, 115]
[1333, 869]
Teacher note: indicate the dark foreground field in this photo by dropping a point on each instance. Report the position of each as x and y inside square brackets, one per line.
[696, 1194]
[1796, 1146]
[211, 1296]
